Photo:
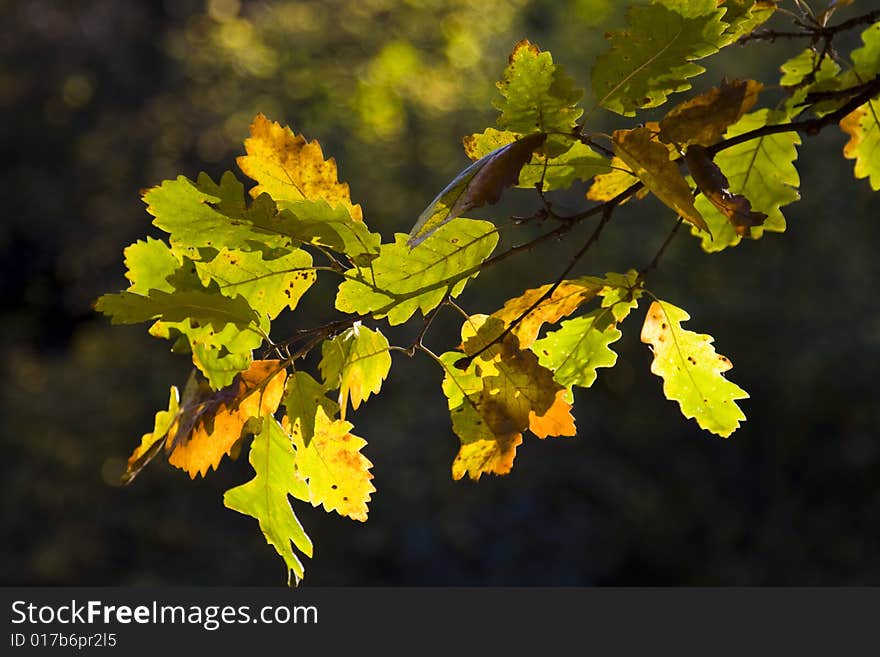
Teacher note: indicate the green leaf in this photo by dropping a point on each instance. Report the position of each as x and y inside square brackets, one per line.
[302, 399]
[579, 162]
[692, 371]
[402, 280]
[316, 222]
[482, 182]
[537, 96]
[149, 265]
[743, 16]
[268, 285]
[654, 56]
[866, 60]
[763, 171]
[356, 362]
[265, 497]
[205, 307]
[581, 345]
[863, 127]
[205, 214]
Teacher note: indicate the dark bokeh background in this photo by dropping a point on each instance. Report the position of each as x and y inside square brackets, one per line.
[101, 98]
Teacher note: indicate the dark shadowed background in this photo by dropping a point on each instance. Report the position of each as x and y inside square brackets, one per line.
[100, 99]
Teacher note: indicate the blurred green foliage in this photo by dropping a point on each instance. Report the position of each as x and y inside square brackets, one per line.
[100, 99]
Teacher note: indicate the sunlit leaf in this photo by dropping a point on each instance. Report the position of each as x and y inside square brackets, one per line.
[863, 127]
[356, 362]
[692, 371]
[152, 442]
[743, 16]
[337, 474]
[654, 56]
[402, 280]
[289, 168]
[302, 399]
[762, 170]
[265, 497]
[537, 95]
[649, 160]
[715, 187]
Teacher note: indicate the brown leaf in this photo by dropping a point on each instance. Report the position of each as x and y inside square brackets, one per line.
[703, 120]
[482, 182]
[714, 186]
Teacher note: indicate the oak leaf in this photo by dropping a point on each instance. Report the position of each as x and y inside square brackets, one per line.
[356, 363]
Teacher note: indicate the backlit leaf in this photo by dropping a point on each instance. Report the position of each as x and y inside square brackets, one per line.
[481, 183]
[302, 399]
[316, 222]
[608, 185]
[289, 168]
[703, 120]
[152, 442]
[743, 16]
[649, 160]
[337, 474]
[149, 265]
[265, 497]
[496, 398]
[654, 56]
[579, 162]
[205, 307]
[715, 187]
[537, 96]
[763, 171]
[692, 371]
[402, 280]
[863, 127]
[356, 362]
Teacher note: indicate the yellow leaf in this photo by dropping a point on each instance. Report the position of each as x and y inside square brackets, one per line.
[210, 424]
[152, 442]
[338, 475]
[649, 160]
[608, 185]
[289, 168]
[566, 298]
[863, 127]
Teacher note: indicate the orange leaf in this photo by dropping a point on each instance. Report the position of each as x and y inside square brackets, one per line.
[566, 298]
[210, 424]
[556, 421]
[289, 168]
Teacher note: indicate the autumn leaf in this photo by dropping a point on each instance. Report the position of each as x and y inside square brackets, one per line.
[703, 120]
[558, 171]
[649, 160]
[763, 171]
[653, 57]
[205, 425]
[863, 127]
[303, 397]
[402, 280]
[337, 474]
[692, 371]
[356, 362]
[743, 16]
[481, 183]
[715, 188]
[289, 168]
[556, 420]
[496, 397]
[566, 298]
[607, 186]
[265, 497]
[536, 94]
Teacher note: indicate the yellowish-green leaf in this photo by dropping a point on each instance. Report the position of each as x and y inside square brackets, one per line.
[356, 362]
[152, 442]
[609, 185]
[149, 265]
[762, 170]
[692, 372]
[743, 16]
[265, 497]
[654, 56]
[402, 280]
[337, 474]
[537, 96]
[302, 399]
[649, 160]
[289, 168]
[863, 127]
